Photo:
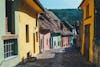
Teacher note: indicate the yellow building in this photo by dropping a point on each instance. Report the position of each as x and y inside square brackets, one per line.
[87, 29]
[28, 11]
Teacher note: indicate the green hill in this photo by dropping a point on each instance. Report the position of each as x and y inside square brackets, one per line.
[70, 15]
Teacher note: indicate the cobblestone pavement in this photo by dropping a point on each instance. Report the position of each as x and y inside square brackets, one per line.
[62, 57]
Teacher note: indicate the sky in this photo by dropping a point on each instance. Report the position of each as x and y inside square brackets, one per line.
[60, 4]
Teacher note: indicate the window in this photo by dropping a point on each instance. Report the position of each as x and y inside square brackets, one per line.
[54, 43]
[34, 41]
[41, 43]
[27, 33]
[58, 43]
[87, 11]
[10, 48]
[47, 41]
[36, 36]
[10, 24]
[36, 19]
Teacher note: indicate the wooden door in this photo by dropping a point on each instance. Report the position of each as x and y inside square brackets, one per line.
[54, 44]
[87, 41]
[42, 44]
[34, 42]
[51, 42]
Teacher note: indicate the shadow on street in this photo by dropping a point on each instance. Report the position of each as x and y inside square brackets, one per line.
[63, 57]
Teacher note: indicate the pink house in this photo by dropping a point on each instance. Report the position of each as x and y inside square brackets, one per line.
[48, 23]
[65, 40]
[44, 40]
[66, 35]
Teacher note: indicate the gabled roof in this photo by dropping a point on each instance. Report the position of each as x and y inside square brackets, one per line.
[54, 21]
[66, 31]
[50, 21]
[44, 31]
[67, 24]
[44, 23]
[38, 3]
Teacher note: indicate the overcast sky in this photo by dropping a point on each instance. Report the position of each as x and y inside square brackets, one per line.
[60, 4]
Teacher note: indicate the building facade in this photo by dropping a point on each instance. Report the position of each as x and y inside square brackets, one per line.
[56, 41]
[67, 35]
[90, 30]
[19, 38]
[9, 47]
[45, 40]
[29, 41]
[66, 40]
[50, 31]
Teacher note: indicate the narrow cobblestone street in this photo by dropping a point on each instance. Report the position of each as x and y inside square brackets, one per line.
[62, 57]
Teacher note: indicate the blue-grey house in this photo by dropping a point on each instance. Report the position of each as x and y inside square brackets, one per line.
[56, 40]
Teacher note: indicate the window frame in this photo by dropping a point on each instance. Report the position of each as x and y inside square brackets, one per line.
[10, 48]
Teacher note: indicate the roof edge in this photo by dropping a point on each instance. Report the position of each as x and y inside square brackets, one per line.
[39, 4]
[81, 3]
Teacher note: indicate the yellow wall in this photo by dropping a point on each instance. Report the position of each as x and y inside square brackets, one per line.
[86, 22]
[26, 15]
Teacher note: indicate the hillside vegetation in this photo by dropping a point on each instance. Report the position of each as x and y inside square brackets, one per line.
[70, 15]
